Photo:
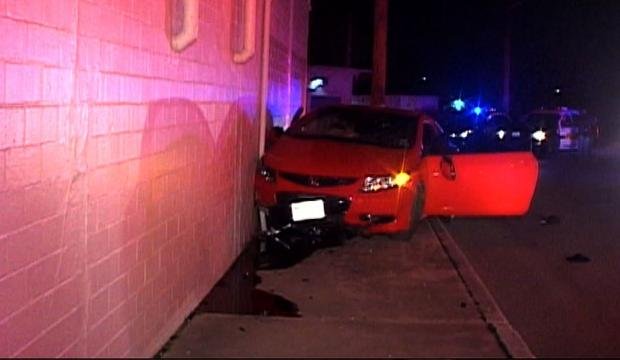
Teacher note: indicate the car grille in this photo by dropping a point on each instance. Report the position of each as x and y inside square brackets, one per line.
[317, 181]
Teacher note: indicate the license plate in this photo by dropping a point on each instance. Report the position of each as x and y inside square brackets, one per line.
[308, 210]
[516, 134]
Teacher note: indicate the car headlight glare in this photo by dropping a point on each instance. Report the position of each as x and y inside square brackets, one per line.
[267, 173]
[500, 134]
[377, 183]
[401, 179]
[464, 134]
[539, 135]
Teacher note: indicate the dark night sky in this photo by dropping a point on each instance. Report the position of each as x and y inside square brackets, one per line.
[459, 46]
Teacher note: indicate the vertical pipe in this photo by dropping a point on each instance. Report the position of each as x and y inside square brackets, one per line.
[379, 53]
[264, 88]
[264, 77]
[304, 86]
[289, 84]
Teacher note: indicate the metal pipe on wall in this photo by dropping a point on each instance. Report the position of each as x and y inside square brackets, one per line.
[264, 77]
[264, 89]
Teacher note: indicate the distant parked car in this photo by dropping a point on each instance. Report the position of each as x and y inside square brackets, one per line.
[560, 129]
[492, 132]
[501, 133]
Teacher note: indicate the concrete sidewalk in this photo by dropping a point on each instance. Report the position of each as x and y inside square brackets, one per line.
[369, 298]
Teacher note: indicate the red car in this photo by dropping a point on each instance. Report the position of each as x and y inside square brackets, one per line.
[381, 170]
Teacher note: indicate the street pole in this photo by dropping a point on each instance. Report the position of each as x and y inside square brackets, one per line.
[507, 48]
[379, 53]
[509, 13]
[349, 39]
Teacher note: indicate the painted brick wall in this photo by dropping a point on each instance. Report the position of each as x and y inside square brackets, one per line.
[126, 169]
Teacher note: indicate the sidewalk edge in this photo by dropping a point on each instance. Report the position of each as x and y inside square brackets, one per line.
[490, 312]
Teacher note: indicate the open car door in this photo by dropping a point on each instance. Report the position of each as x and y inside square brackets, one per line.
[483, 184]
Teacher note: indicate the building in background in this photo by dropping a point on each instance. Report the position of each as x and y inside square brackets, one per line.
[126, 168]
[342, 85]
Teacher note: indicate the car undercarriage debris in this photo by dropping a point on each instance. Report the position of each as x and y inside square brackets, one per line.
[289, 244]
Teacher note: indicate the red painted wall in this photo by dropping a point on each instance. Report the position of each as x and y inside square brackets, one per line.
[125, 169]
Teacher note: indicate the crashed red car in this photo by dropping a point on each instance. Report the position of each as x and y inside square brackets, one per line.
[381, 170]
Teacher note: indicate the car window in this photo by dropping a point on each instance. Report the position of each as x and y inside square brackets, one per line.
[428, 134]
[456, 122]
[433, 143]
[498, 120]
[568, 121]
[359, 125]
[543, 120]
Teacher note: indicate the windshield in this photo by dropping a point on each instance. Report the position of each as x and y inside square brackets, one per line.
[358, 125]
[452, 122]
[542, 120]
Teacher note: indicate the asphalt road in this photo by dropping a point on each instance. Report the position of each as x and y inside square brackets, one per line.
[560, 308]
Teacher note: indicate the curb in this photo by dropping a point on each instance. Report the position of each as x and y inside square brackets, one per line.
[510, 340]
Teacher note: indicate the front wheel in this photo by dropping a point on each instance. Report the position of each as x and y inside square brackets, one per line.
[416, 214]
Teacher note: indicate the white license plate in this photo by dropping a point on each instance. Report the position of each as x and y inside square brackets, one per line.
[308, 210]
[516, 134]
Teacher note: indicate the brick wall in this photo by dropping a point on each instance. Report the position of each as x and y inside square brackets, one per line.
[126, 169]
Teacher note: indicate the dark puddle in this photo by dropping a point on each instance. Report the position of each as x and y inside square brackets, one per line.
[236, 292]
[578, 258]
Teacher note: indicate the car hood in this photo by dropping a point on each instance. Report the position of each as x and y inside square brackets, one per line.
[333, 158]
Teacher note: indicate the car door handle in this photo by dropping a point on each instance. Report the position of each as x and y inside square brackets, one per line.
[447, 168]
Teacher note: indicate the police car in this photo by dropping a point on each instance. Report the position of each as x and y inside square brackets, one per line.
[561, 129]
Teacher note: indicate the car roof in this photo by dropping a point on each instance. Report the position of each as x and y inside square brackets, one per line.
[371, 108]
[557, 111]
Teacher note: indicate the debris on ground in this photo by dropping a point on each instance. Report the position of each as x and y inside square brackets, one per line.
[578, 258]
[549, 220]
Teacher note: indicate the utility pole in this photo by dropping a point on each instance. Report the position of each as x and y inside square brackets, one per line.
[379, 53]
[510, 7]
[349, 38]
[507, 48]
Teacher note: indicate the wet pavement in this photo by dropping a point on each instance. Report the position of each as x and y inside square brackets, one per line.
[372, 297]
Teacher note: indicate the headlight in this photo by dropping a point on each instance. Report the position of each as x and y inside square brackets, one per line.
[376, 183]
[465, 133]
[501, 134]
[266, 173]
[539, 135]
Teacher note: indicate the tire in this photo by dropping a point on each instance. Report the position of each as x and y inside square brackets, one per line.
[416, 215]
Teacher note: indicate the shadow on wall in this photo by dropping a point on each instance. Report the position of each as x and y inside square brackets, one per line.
[188, 214]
